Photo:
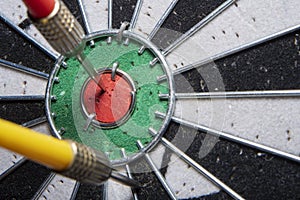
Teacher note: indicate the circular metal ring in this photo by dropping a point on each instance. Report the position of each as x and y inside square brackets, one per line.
[171, 103]
[119, 122]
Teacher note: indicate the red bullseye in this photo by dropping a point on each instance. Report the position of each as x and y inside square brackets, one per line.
[112, 105]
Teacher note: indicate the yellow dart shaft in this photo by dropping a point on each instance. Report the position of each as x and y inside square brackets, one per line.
[54, 153]
[69, 158]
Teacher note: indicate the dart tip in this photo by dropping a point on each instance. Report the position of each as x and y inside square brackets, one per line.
[125, 180]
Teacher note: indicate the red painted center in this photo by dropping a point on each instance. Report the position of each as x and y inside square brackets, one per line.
[110, 105]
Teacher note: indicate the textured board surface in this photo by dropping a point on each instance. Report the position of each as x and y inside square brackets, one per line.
[251, 173]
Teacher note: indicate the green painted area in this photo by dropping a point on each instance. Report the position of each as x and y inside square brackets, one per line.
[68, 108]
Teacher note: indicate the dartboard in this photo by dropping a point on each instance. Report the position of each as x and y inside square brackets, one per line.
[200, 98]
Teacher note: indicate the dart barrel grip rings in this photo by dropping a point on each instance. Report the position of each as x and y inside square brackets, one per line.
[61, 30]
[89, 166]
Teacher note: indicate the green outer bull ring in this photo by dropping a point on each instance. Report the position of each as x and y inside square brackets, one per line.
[171, 103]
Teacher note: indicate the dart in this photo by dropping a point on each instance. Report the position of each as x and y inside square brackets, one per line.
[200, 97]
[69, 158]
[61, 29]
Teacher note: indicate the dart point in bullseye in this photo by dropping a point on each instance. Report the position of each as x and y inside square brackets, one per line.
[61, 29]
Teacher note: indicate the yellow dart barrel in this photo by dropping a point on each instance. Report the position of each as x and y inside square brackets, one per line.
[69, 158]
[54, 153]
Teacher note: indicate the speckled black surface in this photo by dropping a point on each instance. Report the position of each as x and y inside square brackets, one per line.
[24, 182]
[21, 112]
[16, 49]
[122, 12]
[87, 191]
[271, 66]
[240, 167]
[183, 17]
[152, 187]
